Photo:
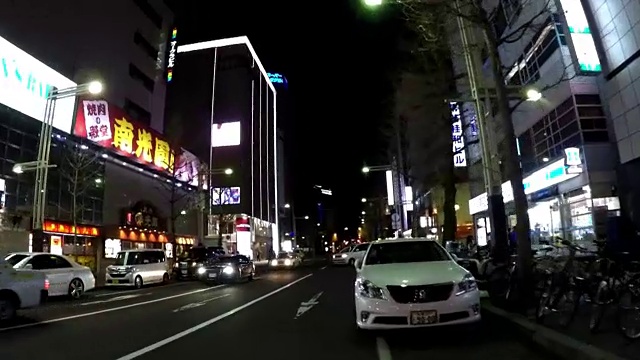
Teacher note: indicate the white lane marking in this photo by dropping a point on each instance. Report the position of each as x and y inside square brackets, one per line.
[307, 305]
[117, 298]
[324, 267]
[112, 293]
[78, 316]
[203, 325]
[384, 353]
[198, 304]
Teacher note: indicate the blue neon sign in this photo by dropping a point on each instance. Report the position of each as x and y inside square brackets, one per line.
[276, 78]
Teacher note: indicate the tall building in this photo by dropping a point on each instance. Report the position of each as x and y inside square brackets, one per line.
[616, 30]
[122, 198]
[221, 97]
[564, 140]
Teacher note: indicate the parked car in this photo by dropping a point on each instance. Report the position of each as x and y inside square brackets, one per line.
[286, 260]
[408, 283]
[137, 268]
[66, 277]
[227, 269]
[20, 289]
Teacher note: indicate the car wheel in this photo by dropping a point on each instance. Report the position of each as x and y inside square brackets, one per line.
[76, 289]
[165, 278]
[8, 308]
[138, 282]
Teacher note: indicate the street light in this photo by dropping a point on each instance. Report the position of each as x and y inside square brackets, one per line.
[365, 169]
[286, 206]
[41, 165]
[363, 200]
[373, 2]
[533, 95]
[228, 171]
[346, 229]
[363, 212]
[306, 217]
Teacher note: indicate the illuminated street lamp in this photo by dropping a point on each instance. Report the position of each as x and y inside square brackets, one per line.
[346, 229]
[373, 2]
[533, 95]
[228, 171]
[286, 206]
[365, 169]
[306, 217]
[363, 212]
[363, 200]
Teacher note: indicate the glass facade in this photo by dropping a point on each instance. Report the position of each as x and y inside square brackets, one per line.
[578, 120]
[19, 136]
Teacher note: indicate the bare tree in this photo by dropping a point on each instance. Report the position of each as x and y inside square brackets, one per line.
[81, 170]
[532, 16]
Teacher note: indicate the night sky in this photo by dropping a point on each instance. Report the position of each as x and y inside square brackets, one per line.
[338, 58]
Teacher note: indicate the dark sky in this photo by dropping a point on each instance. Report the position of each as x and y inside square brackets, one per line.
[337, 57]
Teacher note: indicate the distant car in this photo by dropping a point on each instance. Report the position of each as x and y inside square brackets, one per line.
[223, 269]
[286, 260]
[190, 261]
[66, 277]
[350, 255]
[407, 283]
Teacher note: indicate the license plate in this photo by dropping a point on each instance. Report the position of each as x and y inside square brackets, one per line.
[184, 272]
[115, 281]
[424, 317]
[212, 276]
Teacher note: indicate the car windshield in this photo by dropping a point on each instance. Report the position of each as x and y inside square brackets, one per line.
[345, 249]
[15, 258]
[284, 255]
[405, 252]
[197, 254]
[121, 257]
[225, 259]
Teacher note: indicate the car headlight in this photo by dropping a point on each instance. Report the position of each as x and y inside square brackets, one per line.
[467, 284]
[201, 270]
[287, 262]
[274, 262]
[228, 270]
[194, 263]
[344, 256]
[367, 289]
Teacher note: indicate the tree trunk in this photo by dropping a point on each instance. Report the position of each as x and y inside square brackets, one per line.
[449, 206]
[512, 166]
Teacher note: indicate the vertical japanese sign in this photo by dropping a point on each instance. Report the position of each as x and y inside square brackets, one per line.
[457, 134]
[96, 120]
[173, 48]
[581, 36]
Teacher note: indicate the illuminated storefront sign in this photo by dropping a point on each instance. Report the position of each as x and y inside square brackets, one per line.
[277, 78]
[173, 47]
[226, 134]
[225, 196]
[573, 161]
[112, 128]
[550, 175]
[67, 229]
[457, 134]
[26, 82]
[581, 36]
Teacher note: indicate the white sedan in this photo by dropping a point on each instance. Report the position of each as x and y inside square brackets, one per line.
[407, 283]
[66, 277]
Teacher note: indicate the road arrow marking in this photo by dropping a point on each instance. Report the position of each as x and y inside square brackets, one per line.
[198, 304]
[307, 305]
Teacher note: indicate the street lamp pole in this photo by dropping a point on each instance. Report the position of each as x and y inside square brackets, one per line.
[44, 146]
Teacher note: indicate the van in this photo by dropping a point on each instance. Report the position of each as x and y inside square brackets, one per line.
[137, 268]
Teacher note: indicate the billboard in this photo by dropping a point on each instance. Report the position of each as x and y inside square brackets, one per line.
[225, 134]
[113, 129]
[187, 168]
[26, 82]
[225, 196]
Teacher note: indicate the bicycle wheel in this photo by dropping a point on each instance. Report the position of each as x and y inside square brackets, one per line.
[598, 306]
[629, 311]
[544, 299]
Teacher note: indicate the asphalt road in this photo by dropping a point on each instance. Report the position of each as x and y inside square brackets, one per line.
[307, 313]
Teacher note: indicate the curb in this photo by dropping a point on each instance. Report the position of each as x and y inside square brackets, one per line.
[556, 343]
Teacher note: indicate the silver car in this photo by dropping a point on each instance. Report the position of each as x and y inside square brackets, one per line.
[137, 268]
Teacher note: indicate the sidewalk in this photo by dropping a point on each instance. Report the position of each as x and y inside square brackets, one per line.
[576, 341]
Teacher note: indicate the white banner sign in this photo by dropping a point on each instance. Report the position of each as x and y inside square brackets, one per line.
[457, 134]
[96, 120]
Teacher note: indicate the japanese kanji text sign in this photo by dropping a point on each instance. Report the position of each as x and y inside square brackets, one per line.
[457, 133]
[110, 127]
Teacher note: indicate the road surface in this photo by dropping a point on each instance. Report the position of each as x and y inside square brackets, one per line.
[302, 314]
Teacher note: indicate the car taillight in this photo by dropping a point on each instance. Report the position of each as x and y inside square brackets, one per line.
[46, 284]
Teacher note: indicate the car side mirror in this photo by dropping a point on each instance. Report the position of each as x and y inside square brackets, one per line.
[358, 264]
[28, 267]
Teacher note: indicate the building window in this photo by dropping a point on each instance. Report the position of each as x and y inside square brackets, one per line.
[146, 46]
[137, 74]
[137, 112]
[544, 43]
[149, 12]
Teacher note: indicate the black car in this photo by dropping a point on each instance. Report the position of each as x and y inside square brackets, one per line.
[189, 262]
[227, 269]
